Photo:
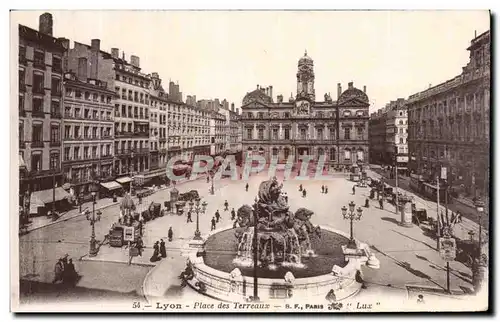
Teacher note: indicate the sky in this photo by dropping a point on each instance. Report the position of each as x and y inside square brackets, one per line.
[225, 54]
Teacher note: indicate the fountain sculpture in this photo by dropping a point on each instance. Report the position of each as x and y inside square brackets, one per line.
[283, 237]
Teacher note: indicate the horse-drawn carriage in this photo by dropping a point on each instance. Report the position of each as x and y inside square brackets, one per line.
[189, 196]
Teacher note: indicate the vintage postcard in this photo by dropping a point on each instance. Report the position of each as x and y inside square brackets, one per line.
[250, 161]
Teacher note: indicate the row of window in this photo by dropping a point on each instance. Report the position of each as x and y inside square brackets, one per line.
[86, 152]
[127, 145]
[131, 95]
[39, 59]
[86, 113]
[37, 160]
[473, 101]
[332, 153]
[136, 112]
[303, 134]
[37, 137]
[132, 80]
[88, 96]
[38, 83]
[75, 132]
[37, 107]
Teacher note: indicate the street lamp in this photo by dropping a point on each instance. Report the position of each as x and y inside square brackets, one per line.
[479, 204]
[94, 188]
[197, 208]
[352, 215]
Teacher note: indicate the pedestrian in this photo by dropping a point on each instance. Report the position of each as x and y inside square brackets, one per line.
[217, 215]
[208, 178]
[246, 187]
[322, 189]
[226, 205]
[367, 203]
[233, 214]
[69, 274]
[381, 203]
[354, 189]
[300, 187]
[304, 193]
[189, 216]
[213, 224]
[58, 271]
[156, 252]
[163, 250]
[139, 245]
[170, 234]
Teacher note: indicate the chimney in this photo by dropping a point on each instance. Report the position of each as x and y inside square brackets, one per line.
[364, 89]
[238, 111]
[257, 86]
[339, 90]
[280, 98]
[350, 85]
[95, 48]
[115, 52]
[232, 107]
[64, 42]
[271, 91]
[134, 61]
[82, 69]
[45, 24]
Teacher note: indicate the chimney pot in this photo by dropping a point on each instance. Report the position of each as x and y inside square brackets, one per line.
[339, 90]
[364, 89]
[115, 52]
[45, 24]
[351, 85]
[134, 61]
[95, 44]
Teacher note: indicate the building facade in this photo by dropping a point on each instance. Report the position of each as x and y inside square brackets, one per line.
[389, 135]
[158, 124]
[132, 112]
[218, 130]
[449, 125]
[40, 106]
[337, 130]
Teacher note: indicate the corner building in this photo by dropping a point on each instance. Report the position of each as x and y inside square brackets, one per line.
[304, 126]
[449, 125]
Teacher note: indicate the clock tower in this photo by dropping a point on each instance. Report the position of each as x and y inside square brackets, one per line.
[305, 79]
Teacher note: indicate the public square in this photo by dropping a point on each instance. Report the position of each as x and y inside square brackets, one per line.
[407, 256]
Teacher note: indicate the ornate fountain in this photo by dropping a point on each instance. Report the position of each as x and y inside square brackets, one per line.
[294, 258]
[283, 237]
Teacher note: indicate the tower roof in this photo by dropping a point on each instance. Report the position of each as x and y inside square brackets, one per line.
[305, 59]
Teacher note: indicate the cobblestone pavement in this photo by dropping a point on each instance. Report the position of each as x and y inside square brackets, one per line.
[407, 255]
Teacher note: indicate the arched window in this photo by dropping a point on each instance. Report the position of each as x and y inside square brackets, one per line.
[400, 140]
[332, 154]
[321, 151]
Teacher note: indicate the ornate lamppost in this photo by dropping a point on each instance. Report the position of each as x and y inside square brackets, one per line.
[352, 215]
[94, 188]
[198, 209]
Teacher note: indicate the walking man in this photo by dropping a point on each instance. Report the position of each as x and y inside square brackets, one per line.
[189, 216]
[300, 187]
[354, 189]
[217, 215]
[326, 190]
[381, 203]
[226, 205]
[246, 187]
[304, 193]
[213, 224]
[322, 189]
[163, 249]
[233, 214]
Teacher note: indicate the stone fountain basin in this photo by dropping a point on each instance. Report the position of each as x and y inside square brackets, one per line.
[220, 280]
[221, 249]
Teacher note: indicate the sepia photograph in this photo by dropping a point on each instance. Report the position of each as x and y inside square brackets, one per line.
[279, 161]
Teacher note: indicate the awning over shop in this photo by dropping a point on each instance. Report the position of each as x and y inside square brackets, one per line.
[47, 196]
[155, 173]
[124, 180]
[111, 185]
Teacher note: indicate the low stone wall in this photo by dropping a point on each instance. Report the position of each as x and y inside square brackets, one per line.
[234, 287]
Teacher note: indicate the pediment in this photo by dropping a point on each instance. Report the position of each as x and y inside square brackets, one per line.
[354, 102]
[254, 104]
